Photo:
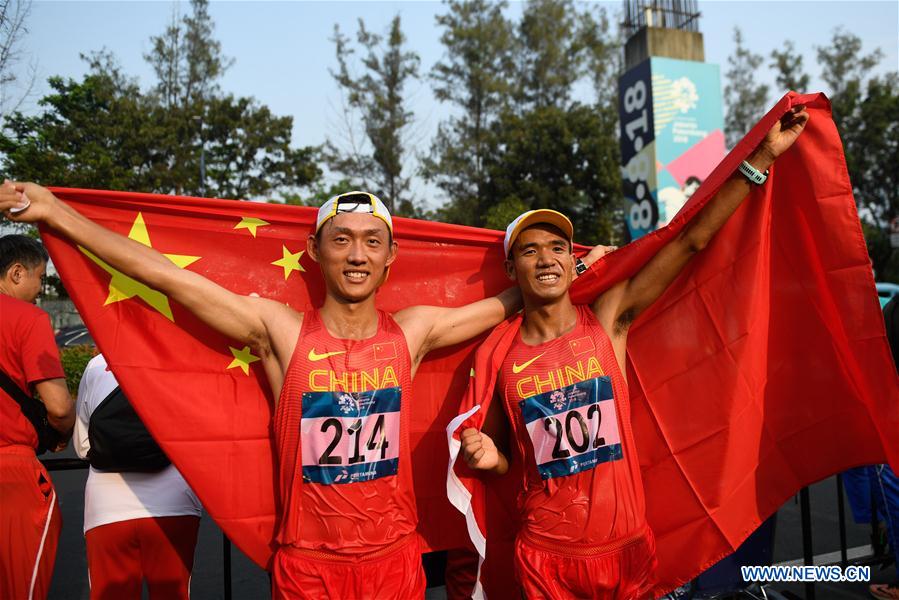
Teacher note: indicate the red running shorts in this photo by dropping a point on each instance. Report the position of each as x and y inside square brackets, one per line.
[556, 571]
[392, 573]
[30, 523]
[160, 550]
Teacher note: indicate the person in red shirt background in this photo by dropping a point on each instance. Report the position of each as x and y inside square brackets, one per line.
[30, 521]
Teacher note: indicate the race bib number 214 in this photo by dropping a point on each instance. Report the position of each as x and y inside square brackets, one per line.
[350, 437]
[573, 428]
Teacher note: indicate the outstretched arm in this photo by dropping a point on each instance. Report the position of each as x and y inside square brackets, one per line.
[619, 306]
[241, 318]
[431, 327]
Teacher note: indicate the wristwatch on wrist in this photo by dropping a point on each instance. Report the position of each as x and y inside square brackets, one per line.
[579, 267]
[752, 174]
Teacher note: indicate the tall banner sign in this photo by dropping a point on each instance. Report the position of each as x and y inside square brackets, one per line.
[672, 136]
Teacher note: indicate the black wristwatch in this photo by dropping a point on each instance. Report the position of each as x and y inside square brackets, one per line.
[579, 267]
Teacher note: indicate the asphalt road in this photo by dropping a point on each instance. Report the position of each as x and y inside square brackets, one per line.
[250, 582]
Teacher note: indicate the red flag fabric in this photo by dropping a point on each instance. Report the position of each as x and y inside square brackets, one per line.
[763, 368]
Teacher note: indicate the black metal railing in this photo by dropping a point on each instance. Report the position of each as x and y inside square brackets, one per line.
[668, 14]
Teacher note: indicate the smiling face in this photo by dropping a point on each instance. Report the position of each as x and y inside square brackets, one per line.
[542, 264]
[353, 251]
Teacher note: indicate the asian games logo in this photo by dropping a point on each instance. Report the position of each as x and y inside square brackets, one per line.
[558, 399]
[347, 404]
[683, 95]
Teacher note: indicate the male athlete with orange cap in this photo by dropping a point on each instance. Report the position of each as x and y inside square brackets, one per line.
[342, 375]
[563, 400]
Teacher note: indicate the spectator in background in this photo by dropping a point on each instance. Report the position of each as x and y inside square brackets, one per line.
[140, 516]
[30, 520]
[885, 482]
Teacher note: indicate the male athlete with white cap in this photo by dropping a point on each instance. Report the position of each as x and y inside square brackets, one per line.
[562, 400]
[343, 376]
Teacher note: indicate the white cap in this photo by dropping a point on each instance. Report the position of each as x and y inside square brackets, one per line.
[353, 202]
[532, 217]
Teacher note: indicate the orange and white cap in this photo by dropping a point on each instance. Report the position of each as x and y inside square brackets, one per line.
[353, 202]
[533, 217]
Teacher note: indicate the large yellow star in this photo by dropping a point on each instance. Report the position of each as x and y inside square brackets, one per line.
[123, 287]
[242, 358]
[290, 261]
[251, 223]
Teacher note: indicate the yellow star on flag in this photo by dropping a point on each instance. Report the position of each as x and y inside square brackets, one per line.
[251, 223]
[290, 261]
[123, 287]
[242, 358]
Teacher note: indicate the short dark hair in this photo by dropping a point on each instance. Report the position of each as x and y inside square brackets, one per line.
[15, 248]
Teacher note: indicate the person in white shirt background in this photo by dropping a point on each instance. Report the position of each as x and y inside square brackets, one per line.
[137, 526]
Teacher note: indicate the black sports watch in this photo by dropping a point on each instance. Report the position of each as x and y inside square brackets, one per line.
[579, 267]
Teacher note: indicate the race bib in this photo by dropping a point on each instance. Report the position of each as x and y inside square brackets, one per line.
[574, 428]
[350, 437]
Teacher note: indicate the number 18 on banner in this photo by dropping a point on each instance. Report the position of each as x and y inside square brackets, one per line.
[638, 171]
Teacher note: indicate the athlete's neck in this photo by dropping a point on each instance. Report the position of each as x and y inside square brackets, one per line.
[547, 321]
[350, 320]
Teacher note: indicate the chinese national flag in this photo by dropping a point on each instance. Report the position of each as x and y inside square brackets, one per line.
[763, 368]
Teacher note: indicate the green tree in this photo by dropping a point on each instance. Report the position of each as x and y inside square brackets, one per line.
[475, 78]
[98, 132]
[551, 53]
[566, 159]
[746, 98]
[248, 151]
[188, 63]
[318, 193]
[542, 150]
[788, 64]
[13, 29]
[866, 111]
[605, 60]
[378, 96]
[105, 132]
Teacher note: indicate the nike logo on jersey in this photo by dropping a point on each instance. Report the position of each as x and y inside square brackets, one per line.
[314, 357]
[518, 369]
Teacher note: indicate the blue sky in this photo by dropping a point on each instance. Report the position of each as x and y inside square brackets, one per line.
[282, 50]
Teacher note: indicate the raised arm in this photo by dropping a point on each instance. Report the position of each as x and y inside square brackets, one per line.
[241, 318]
[619, 306]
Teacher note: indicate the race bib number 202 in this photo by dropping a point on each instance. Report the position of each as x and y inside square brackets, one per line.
[350, 437]
[573, 428]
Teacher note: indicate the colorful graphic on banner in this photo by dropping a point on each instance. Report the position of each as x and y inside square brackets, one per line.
[687, 133]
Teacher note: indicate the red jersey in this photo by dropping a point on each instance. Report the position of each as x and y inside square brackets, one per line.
[342, 436]
[568, 405]
[28, 354]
